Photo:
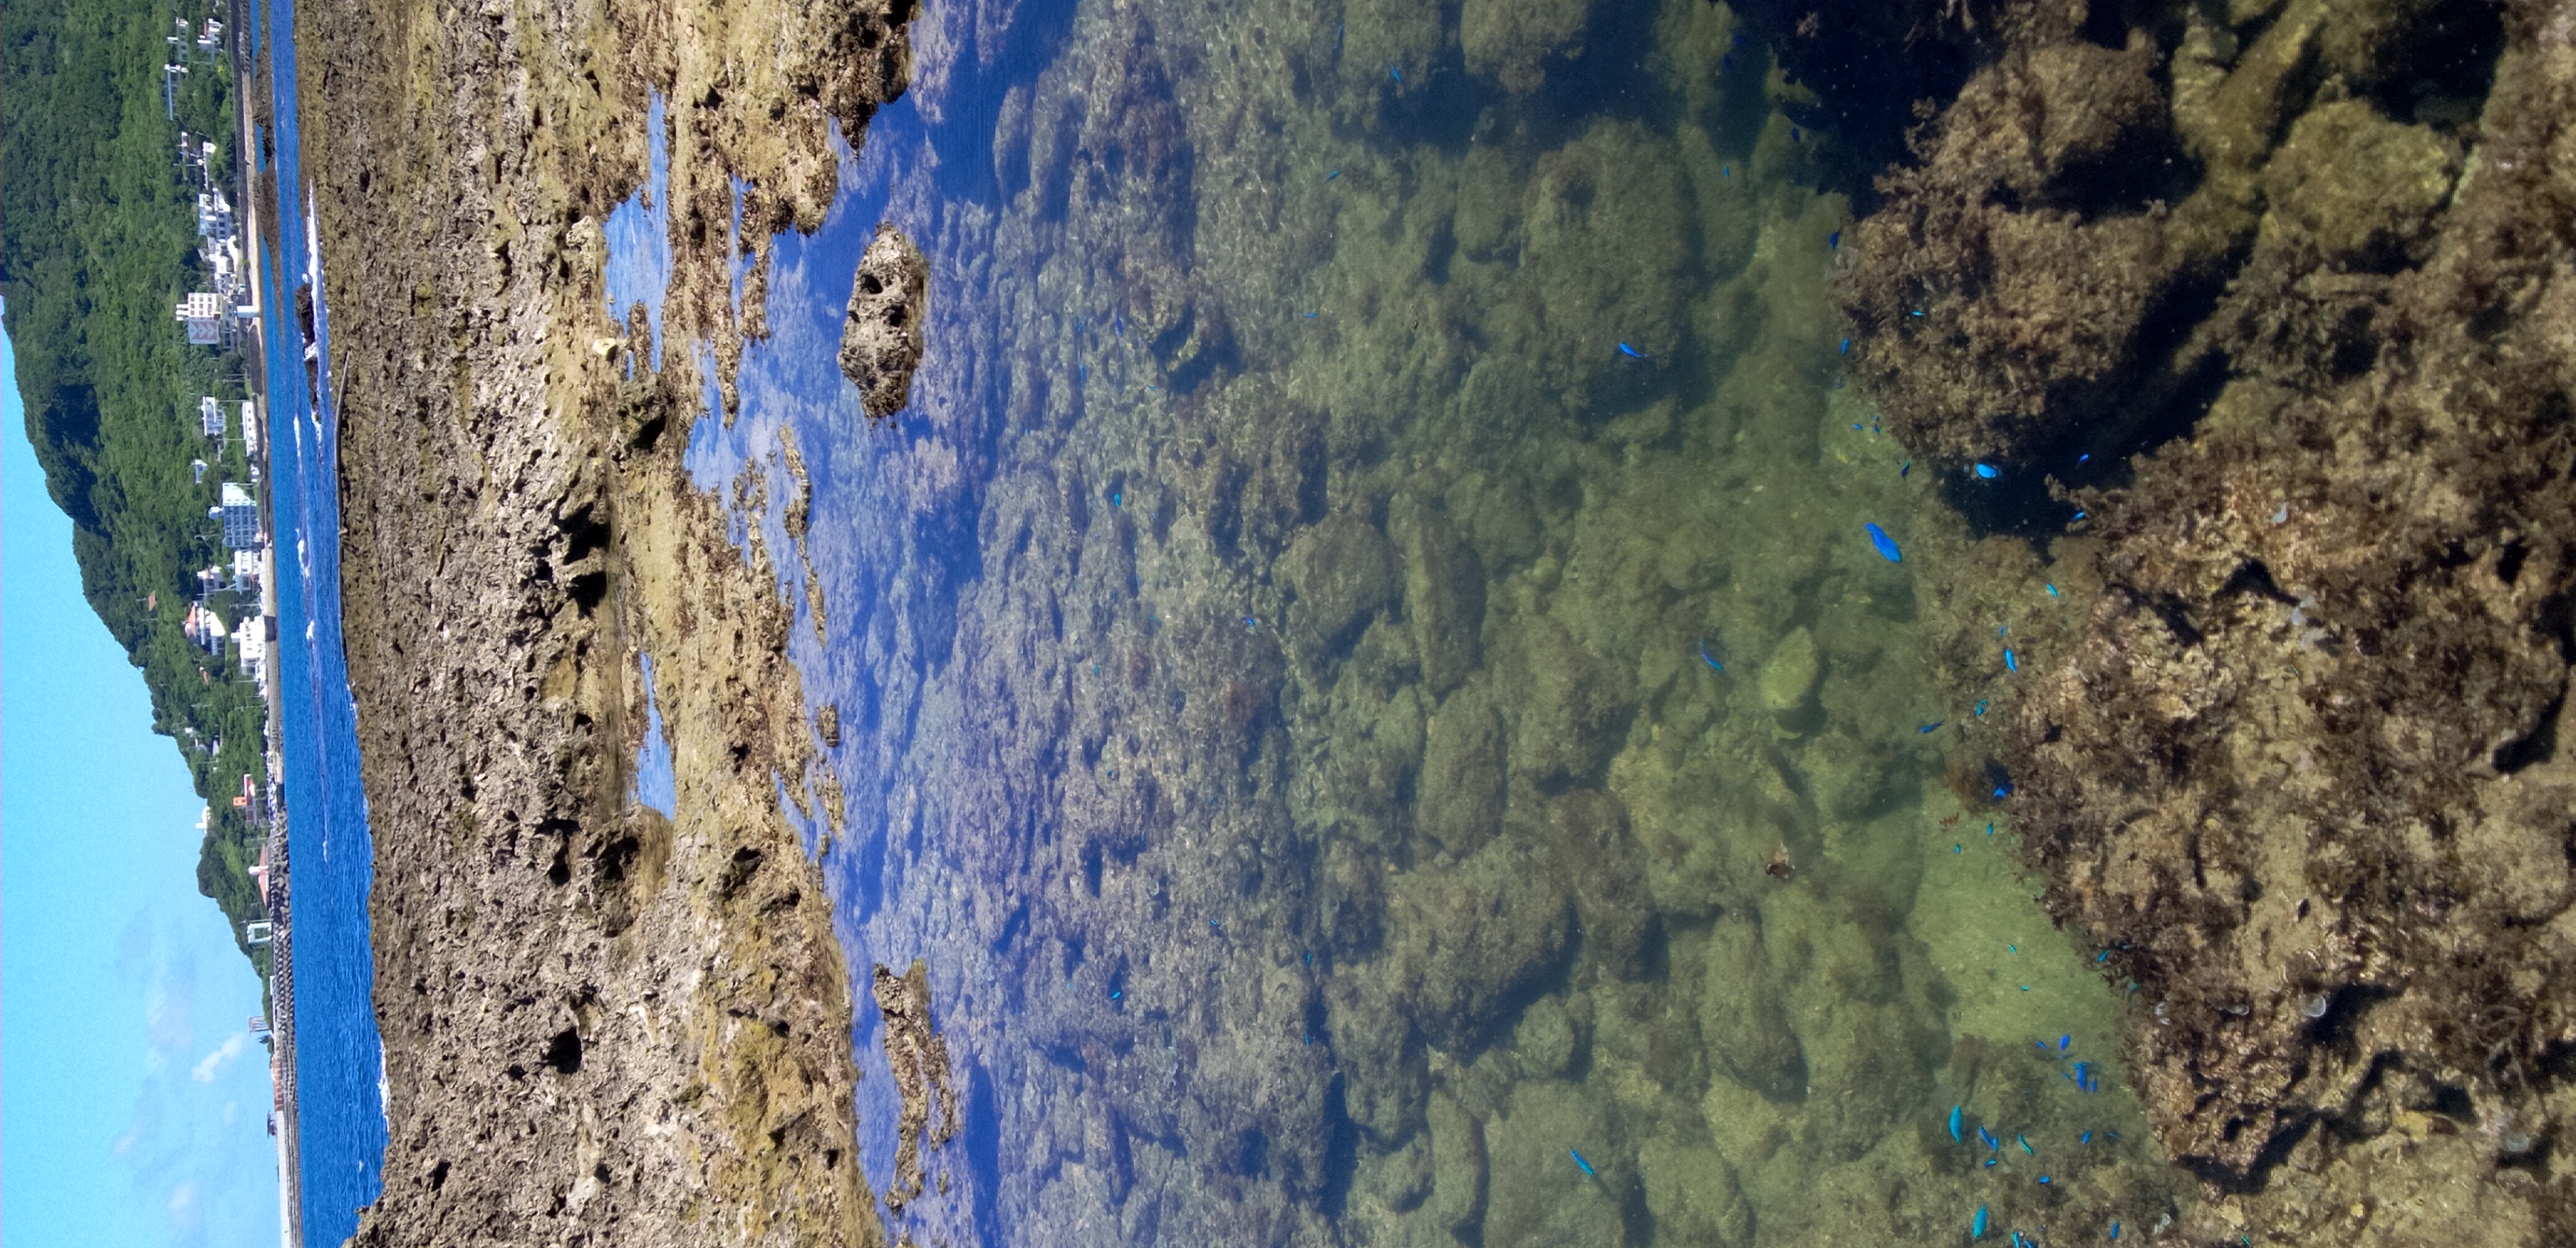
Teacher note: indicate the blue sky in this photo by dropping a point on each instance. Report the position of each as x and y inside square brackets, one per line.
[133, 1102]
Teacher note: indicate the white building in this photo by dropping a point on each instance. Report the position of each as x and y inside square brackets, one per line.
[250, 431]
[210, 417]
[203, 313]
[240, 514]
[254, 647]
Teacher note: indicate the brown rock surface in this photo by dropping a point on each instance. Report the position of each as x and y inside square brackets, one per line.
[599, 1025]
[2301, 767]
[881, 333]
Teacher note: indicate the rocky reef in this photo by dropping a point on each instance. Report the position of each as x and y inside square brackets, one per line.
[600, 1025]
[2273, 299]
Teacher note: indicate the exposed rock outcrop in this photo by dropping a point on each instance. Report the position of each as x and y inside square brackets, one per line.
[881, 334]
[599, 1025]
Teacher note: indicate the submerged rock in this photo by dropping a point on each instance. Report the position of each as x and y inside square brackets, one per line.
[1742, 1018]
[1468, 940]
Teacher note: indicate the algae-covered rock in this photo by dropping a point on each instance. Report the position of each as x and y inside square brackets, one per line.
[1550, 1038]
[1458, 1167]
[1574, 711]
[1694, 1195]
[1854, 779]
[1342, 572]
[1788, 680]
[1512, 40]
[1610, 255]
[1538, 1194]
[1403, 1178]
[1444, 598]
[2007, 278]
[1742, 1019]
[1386, 1075]
[2360, 187]
[1466, 940]
[1598, 857]
[1458, 799]
[2302, 769]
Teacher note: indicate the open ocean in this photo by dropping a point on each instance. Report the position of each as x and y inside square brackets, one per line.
[339, 1063]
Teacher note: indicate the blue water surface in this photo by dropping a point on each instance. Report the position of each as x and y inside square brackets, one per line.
[339, 1061]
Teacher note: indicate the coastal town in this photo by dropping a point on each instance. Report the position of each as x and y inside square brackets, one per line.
[233, 616]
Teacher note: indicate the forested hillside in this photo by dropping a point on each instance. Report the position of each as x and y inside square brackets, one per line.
[98, 240]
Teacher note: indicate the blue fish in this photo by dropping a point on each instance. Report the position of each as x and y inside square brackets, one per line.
[1710, 659]
[1727, 171]
[2052, 591]
[1981, 706]
[1631, 352]
[2080, 459]
[1977, 1228]
[1988, 1139]
[2115, 1231]
[1846, 348]
[1927, 728]
[1903, 469]
[2104, 956]
[1834, 241]
[2087, 1139]
[1955, 1113]
[1398, 74]
[2043, 1178]
[2011, 664]
[1115, 995]
[1116, 499]
[1118, 323]
[1252, 621]
[2002, 791]
[1795, 136]
[2025, 1145]
[1886, 545]
[2065, 1040]
[1987, 471]
[2079, 515]
[1334, 174]
[1579, 1161]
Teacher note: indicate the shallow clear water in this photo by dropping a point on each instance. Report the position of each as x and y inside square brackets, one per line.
[1363, 673]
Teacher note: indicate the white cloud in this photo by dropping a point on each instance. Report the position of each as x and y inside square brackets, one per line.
[230, 1049]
